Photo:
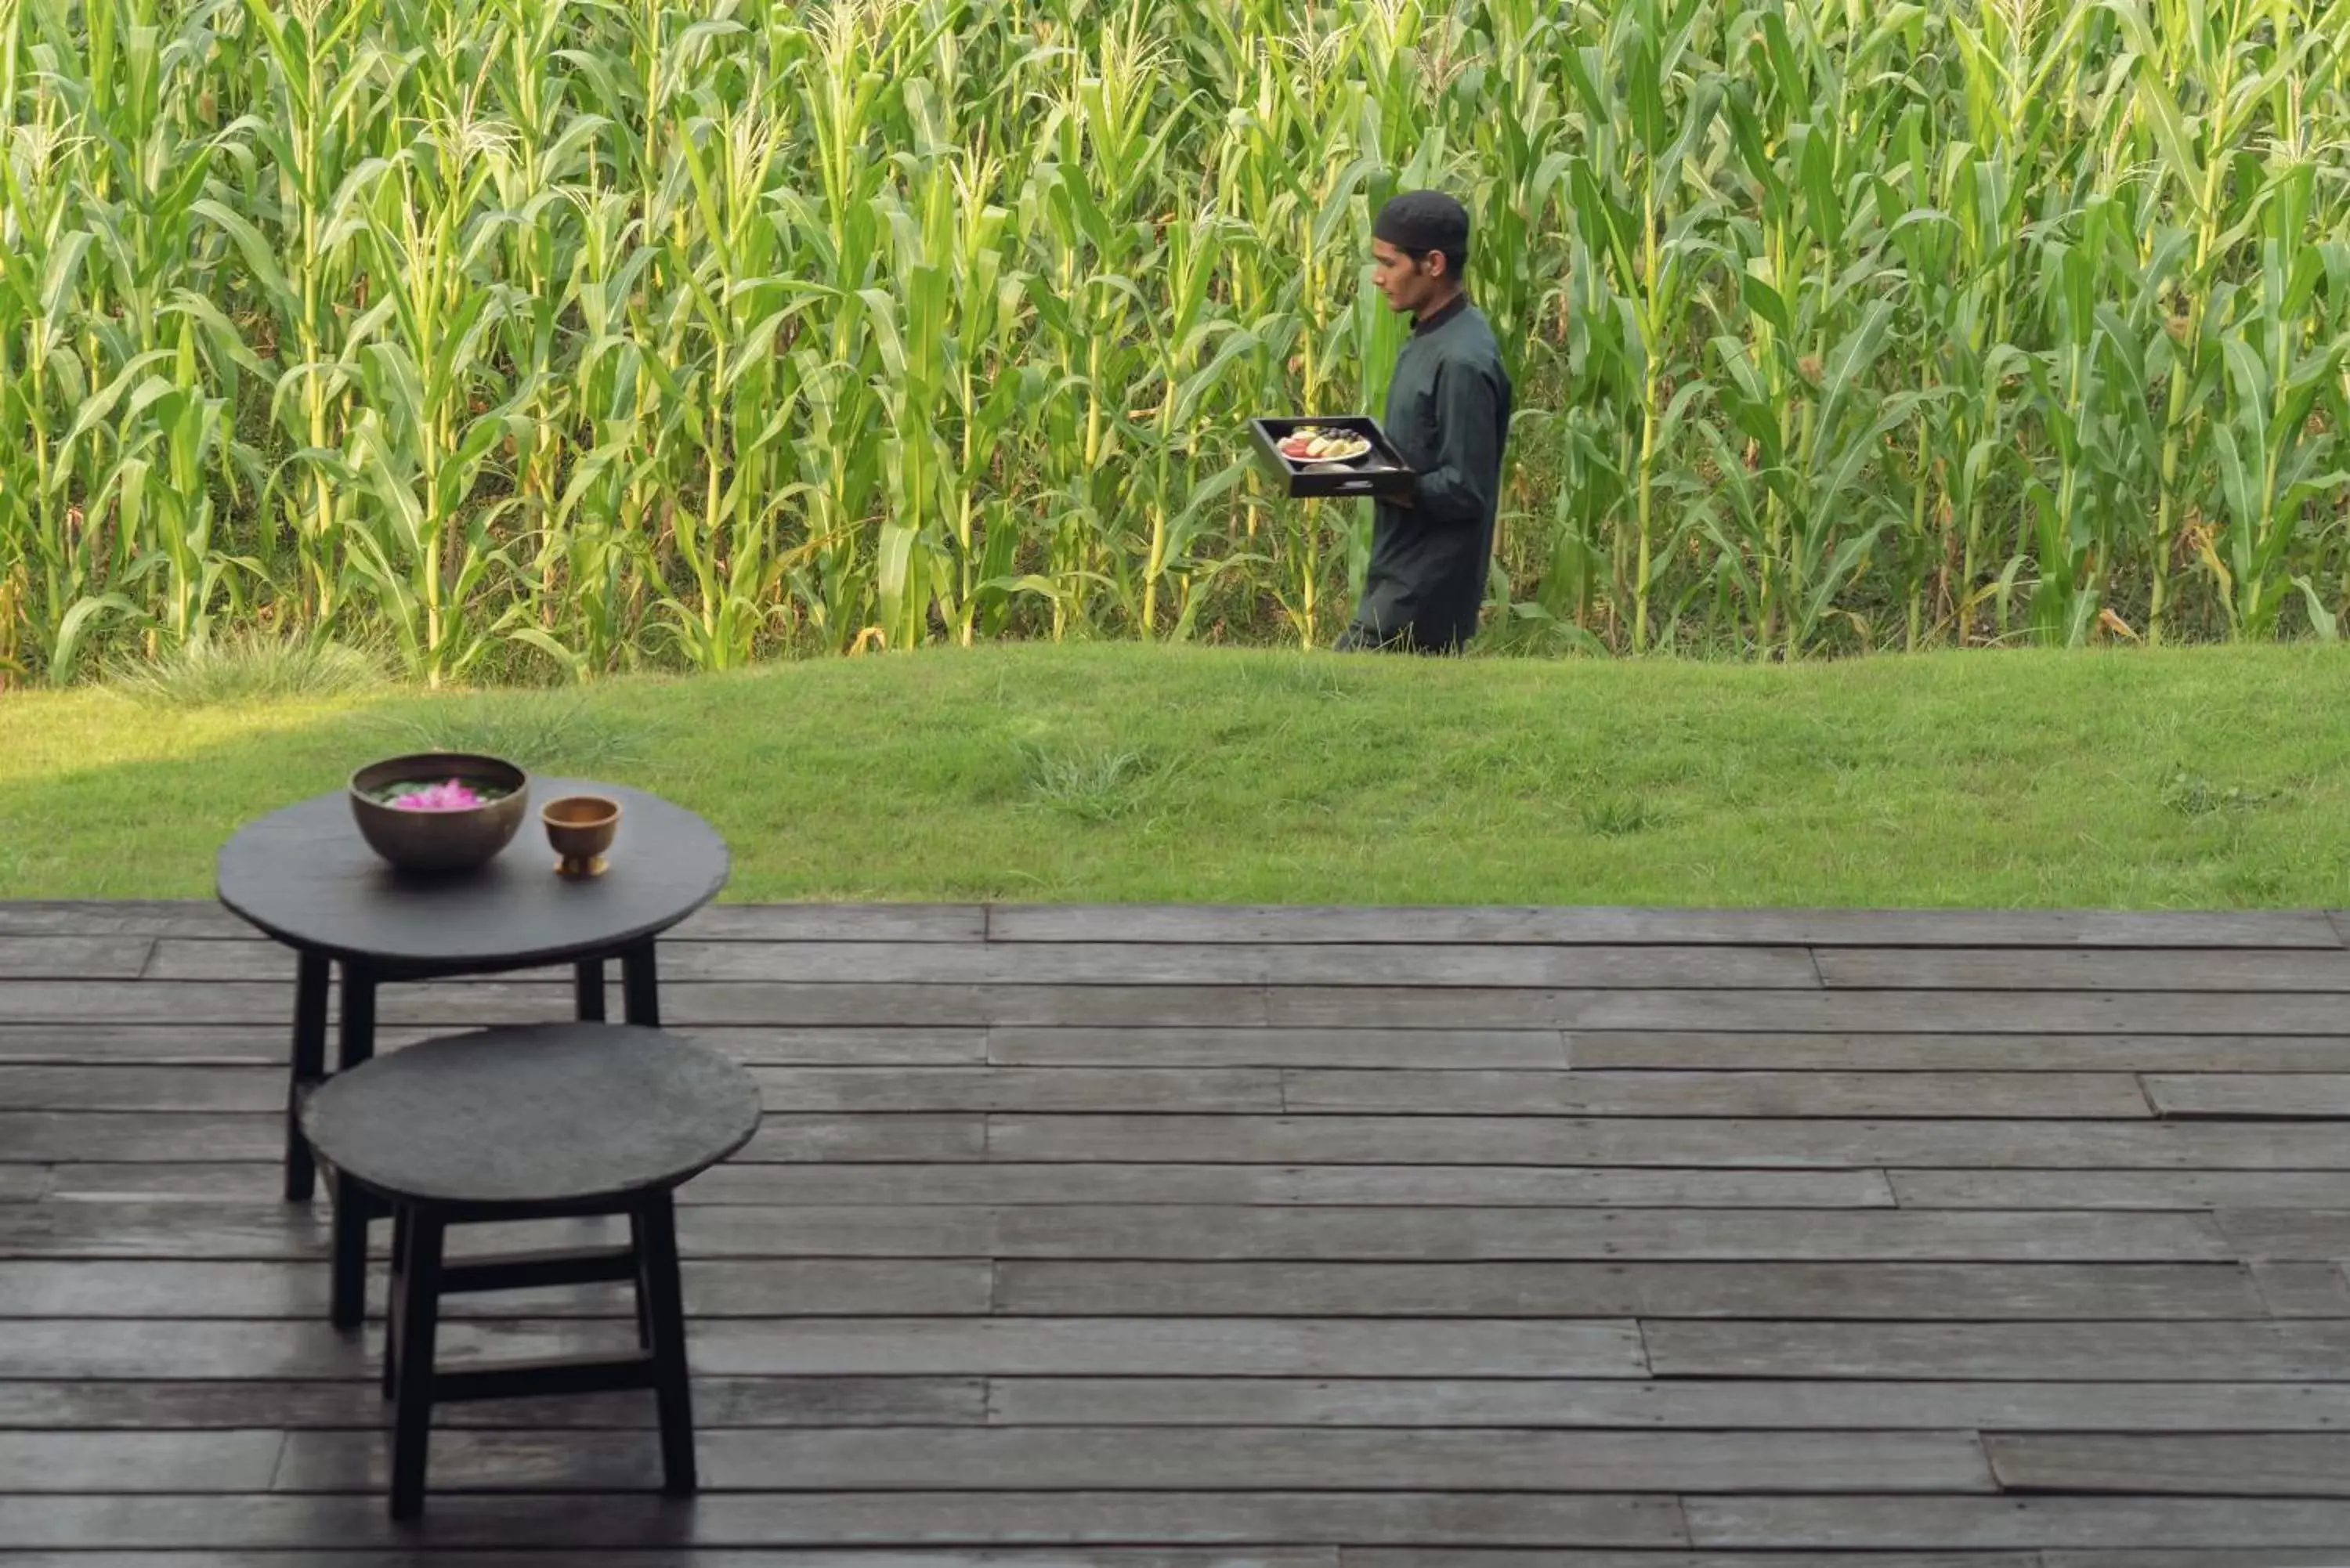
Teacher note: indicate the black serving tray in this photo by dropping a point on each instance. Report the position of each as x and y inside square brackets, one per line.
[1378, 474]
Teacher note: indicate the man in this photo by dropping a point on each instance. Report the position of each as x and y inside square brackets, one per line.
[1448, 415]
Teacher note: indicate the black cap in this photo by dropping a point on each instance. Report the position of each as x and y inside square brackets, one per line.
[1421, 221]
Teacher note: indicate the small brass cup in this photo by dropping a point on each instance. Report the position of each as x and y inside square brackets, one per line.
[580, 828]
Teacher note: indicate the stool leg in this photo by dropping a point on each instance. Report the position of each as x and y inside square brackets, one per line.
[640, 987]
[419, 1313]
[349, 1280]
[310, 1068]
[588, 990]
[391, 1303]
[655, 1223]
[358, 1044]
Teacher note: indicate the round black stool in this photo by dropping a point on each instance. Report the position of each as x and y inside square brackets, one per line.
[546, 1121]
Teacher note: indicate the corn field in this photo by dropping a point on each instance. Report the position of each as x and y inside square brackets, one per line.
[588, 335]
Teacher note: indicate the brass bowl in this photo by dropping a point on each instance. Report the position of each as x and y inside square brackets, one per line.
[438, 841]
[581, 827]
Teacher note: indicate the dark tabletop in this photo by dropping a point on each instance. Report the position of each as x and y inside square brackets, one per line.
[546, 1113]
[304, 876]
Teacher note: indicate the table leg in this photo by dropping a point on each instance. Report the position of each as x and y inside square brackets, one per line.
[587, 988]
[357, 1041]
[351, 1205]
[641, 986]
[310, 1068]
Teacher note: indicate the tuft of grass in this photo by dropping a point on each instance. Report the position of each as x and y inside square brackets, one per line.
[248, 668]
[1620, 816]
[1311, 675]
[1090, 783]
[2191, 796]
[543, 731]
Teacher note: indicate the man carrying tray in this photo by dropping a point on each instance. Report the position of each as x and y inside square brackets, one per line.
[1448, 415]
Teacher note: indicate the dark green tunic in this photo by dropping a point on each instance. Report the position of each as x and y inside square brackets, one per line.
[1448, 415]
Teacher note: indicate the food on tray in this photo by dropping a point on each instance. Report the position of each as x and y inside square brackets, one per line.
[1315, 443]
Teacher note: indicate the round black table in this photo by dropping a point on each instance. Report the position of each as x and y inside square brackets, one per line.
[528, 1123]
[304, 875]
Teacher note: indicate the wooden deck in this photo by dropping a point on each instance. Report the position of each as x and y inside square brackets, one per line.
[1167, 1238]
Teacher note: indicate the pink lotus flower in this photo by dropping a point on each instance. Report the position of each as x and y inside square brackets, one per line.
[450, 796]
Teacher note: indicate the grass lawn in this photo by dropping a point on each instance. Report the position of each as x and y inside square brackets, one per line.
[2203, 778]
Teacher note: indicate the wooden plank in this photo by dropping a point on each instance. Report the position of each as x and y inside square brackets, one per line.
[1991, 968]
[467, 1004]
[119, 917]
[116, 1044]
[1426, 1234]
[1695, 1403]
[1229, 1347]
[1192, 1091]
[1064, 1519]
[1839, 1010]
[2303, 1290]
[144, 1086]
[1809, 928]
[2197, 1557]
[1972, 1292]
[1124, 963]
[274, 1231]
[45, 1135]
[2300, 1350]
[2319, 1234]
[2237, 1464]
[271, 1005]
[357, 1404]
[522, 1461]
[2281, 1096]
[249, 1290]
[266, 1044]
[1454, 1557]
[2117, 1189]
[1844, 1050]
[150, 1137]
[46, 1349]
[933, 1045]
[94, 1230]
[24, 1183]
[470, 1003]
[35, 1462]
[2005, 1096]
[204, 917]
[993, 1185]
[1207, 923]
[837, 923]
[73, 958]
[1176, 1459]
[1012, 1045]
[1837, 1523]
[772, 1557]
[149, 1086]
[1662, 1141]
